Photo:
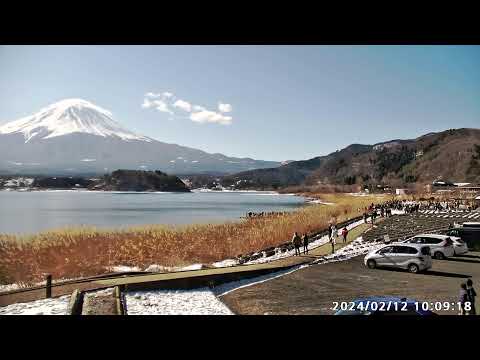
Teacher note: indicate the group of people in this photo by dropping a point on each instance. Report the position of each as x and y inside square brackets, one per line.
[251, 214]
[298, 241]
[409, 207]
[467, 298]
[333, 235]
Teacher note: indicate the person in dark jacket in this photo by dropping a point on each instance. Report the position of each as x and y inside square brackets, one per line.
[471, 295]
[305, 243]
[296, 241]
[463, 298]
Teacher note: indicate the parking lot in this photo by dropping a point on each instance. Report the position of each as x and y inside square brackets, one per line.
[314, 289]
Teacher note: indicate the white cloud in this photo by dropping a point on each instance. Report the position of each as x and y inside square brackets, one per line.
[198, 108]
[184, 105]
[207, 116]
[152, 95]
[224, 108]
[147, 104]
[162, 106]
[167, 102]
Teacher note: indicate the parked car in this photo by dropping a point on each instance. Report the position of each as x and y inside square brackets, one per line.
[441, 246]
[459, 246]
[412, 257]
[394, 306]
[469, 232]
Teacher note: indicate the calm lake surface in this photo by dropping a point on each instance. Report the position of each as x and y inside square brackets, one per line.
[30, 212]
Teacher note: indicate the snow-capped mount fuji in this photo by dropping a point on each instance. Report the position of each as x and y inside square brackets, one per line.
[68, 117]
[75, 136]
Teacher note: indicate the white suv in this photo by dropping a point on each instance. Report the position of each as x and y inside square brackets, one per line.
[413, 257]
[441, 246]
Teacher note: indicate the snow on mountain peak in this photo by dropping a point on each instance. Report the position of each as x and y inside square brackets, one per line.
[70, 116]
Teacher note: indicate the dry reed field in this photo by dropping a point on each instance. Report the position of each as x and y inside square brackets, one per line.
[77, 252]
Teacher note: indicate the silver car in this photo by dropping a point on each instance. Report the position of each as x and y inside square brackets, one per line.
[441, 246]
[412, 257]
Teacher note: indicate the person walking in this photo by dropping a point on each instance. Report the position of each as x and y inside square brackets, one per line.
[471, 295]
[463, 298]
[330, 226]
[296, 243]
[345, 234]
[333, 241]
[365, 217]
[305, 243]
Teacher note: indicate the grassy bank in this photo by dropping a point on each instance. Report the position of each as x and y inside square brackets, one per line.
[89, 251]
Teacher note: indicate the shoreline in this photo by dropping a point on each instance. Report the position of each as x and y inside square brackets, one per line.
[84, 190]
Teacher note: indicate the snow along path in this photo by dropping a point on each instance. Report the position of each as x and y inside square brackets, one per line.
[200, 301]
[53, 306]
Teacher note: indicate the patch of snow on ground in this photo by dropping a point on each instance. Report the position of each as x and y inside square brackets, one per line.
[54, 306]
[123, 268]
[94, 294]
[9, 287]
[317, 201]
[226, 263]
[355, 248]
[16, 286]
[200, 301]
[161, 268]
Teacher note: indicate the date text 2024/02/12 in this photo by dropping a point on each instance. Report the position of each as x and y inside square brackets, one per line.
[373, 306]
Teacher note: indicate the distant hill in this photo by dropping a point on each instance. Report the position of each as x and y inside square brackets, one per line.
[452, 155]
[136, 180]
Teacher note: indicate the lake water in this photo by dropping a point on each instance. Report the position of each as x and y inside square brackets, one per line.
[30, 212]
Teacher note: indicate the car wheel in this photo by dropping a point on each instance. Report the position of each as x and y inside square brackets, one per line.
[413, 268]
[371, 264]
[439, 256]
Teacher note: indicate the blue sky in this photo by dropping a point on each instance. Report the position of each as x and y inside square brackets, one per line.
[286, 102]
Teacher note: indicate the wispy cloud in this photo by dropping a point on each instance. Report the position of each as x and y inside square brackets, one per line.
[168, 103]
[184, 105]
[206, 116]
[158, 104]
[224, 108]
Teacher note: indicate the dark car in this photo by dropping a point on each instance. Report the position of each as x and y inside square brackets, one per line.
[391, 306]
